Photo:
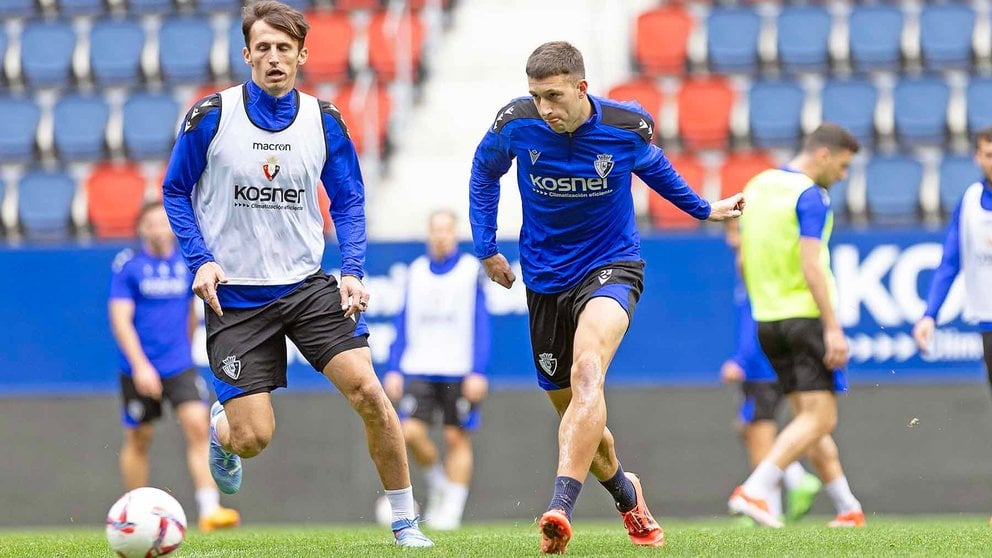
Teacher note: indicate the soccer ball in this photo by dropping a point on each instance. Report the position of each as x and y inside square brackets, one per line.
[145, 522]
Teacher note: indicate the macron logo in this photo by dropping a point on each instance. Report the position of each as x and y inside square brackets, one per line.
[271, 146]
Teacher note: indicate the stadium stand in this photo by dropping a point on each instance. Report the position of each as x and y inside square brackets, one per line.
[704, 112]
[329, 43]
[115, 52]
[46, 53]
[150, 121]
[802, 39]
[739, 167]
[644, 91]
[851, 104]
[81, 127]
[184, 50]
[114, 193]
[663, 214]
[148, 7]
[875, 35]
[81, 7]
[238, 70]
[839, 202]
[920, 106]
[365, 110]
[957, 173]
[16, 8]
[775, 109]
[946, 35]
[21, 116]
[385, 35]
[979, 103]
[660, 40]
[732, 40]
[893, 189]
[44, 199]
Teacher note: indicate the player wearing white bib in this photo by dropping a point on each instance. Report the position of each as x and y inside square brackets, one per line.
[241, 194]
[437, 365]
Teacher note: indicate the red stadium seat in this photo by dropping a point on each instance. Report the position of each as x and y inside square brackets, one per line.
[664, 215]
[364, 114]
[738, 168]
[329, 45]
[384, 35]
[357, 5]
[704, 113]
[660, 40]
[115, 194]
[642, 90]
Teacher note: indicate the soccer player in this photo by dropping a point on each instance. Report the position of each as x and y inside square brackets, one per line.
[786, 265]
[241, 193]
[152, 320]
[967, 250]
[580, 256]
[762, 397]
[437, 365]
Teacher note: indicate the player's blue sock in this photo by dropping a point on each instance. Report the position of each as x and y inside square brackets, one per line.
[622, 490]
[566, 493]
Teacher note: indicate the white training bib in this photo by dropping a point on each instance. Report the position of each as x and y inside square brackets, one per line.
[976, 255]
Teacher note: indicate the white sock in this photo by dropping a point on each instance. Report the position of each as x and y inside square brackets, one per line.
[775, 501]
[207, 500]
[840, 492]
[763, 480]
[401, 502]
[435, 477]
[794, 475]
[454, 501]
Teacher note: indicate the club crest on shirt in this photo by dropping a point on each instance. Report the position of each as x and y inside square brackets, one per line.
[232, 367]
[548, 362]
[603, 164]
[271, 168]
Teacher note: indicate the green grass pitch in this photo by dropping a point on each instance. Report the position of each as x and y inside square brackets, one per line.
[951, 535]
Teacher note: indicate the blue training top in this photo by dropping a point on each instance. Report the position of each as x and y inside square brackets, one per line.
[578, 212]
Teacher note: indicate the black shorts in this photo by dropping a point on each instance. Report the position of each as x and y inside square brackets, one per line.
[137, 409]
[795, 349]
[761, 401]
[247, 346]
[554, 317]
[987, 346]
[422, 399]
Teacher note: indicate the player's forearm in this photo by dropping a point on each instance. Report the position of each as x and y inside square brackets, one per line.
[483, 204]
[352, 242]
[816, 280]
[128, 341]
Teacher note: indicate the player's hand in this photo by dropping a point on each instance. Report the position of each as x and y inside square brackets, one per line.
[836, 348]
[205, 285]
[147, 381]
[923, 333]
[498, 270]
[354, 295]
[392, 384]
[731, 373]
[727, 208]
[475, 387]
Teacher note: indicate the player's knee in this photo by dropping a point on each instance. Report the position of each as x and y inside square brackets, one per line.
[587, 379]
[368, 399]
[456, 438]
[249, 442]
[139, 440]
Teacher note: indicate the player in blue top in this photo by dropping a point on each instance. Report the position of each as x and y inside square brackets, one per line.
[580, 256]
[152, 320]
[241, 194]
[967, 250]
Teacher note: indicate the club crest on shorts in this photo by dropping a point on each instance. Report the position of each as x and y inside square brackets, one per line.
[548, 363]
[232, 367]
[604, 276]
[271, 168]
[603, 164]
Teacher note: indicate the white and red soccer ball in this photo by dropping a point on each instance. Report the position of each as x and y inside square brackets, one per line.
[145, 523]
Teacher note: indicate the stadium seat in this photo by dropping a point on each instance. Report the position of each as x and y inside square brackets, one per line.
[644, 91]
[81, 7]
[920, 107]
[979, 103]
[223, 6]
[732, 40]
[740, 167]
[150, 121]
[946, 35]
[365, 112]
[775, 109]
[21, 116]
[851, 104]
[184, 50]
[143, 7]
[46, 53]
[383, 37]
[957, 173]
[44, 199]
[81, 127]
[16, 8]
[240, 71]
[115, 52]
[803, 33]
[838, 200]
[329, 42]
[660, 40]
[875, 37]
[704, 113]
[114, 195]
[3, 54]
[893, 189]
[357, 4]
[663, 214]
[298, 5]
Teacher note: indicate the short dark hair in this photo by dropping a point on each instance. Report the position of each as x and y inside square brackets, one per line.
[985, 134]
[833, 137]
[278, 15]
[147, 208]
[554, 59]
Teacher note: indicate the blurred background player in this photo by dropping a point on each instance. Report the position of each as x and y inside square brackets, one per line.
[786, 265]
[152, 319]
[967, 250]
[761, 399]
[437, 365]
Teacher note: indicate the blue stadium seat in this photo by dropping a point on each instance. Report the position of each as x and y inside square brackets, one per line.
[775, 108]
[115, 52]
[44, 200]
[875, 37]
[81, 127]
[142, 7]
[851, 104]
[920, 106]
[299, 5]
[225, 6]
[732, 40]
[184, 50]
[46, 53]
[803, 33]
[838, 200]
[957, 173]
[150, 125]
[979, 103]
[81, 7]
[240, 71]
[16, 8]
[893, 189]
[3, 52]
[945, 35]
[21, 115]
